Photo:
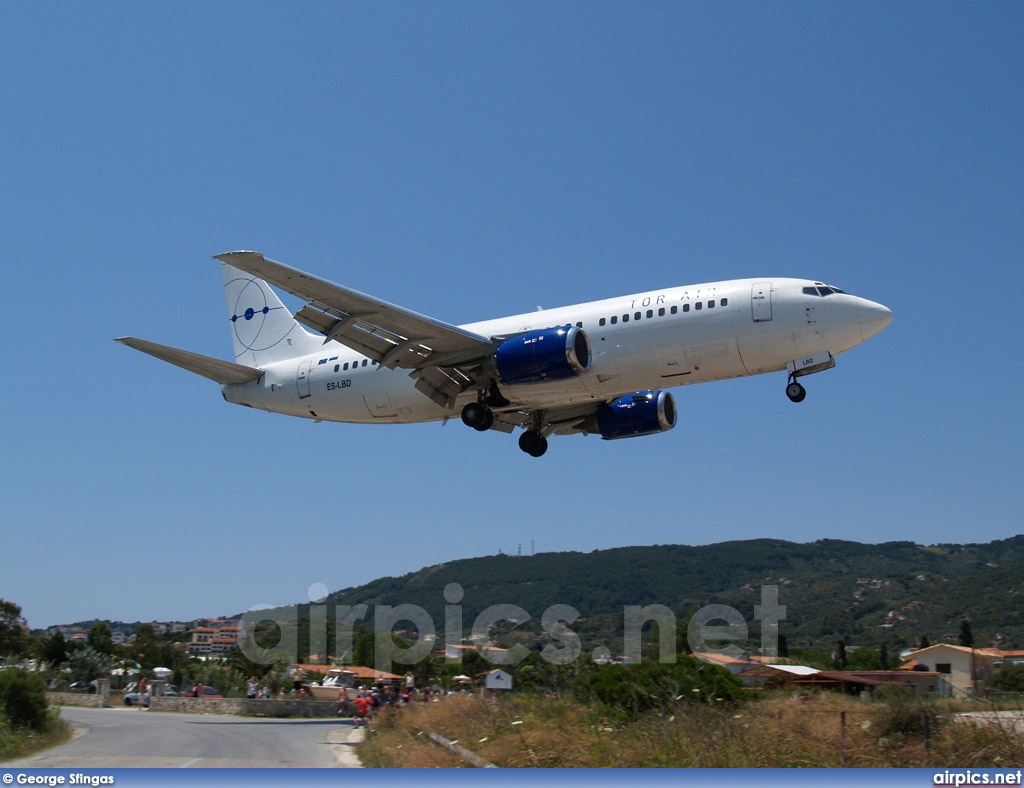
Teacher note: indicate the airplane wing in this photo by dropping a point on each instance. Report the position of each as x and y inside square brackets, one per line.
[212, 368]
[389, 334]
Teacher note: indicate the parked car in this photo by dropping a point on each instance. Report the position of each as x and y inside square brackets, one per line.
[208, 692]
[132, 698]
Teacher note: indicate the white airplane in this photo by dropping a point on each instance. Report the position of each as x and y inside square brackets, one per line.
[602, 367]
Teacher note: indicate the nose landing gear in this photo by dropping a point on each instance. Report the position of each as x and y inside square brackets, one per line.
[795, 391]
[806, 366]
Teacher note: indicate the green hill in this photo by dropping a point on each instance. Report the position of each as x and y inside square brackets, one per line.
[867, 594]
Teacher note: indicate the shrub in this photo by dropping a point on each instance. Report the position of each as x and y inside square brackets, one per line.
[651, 686]
[23, 699]
[906, 716]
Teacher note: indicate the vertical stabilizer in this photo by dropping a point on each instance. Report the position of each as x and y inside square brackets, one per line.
[262, 328]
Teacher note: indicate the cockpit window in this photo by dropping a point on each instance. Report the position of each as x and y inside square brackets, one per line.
[822, 290]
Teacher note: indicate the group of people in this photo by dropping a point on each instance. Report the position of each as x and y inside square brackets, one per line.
[362, 704]
[253, 690]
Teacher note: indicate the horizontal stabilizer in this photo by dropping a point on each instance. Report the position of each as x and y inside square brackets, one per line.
[213, 368]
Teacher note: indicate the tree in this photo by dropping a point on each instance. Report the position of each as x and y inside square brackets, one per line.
[12, 634]
[883, 657]
[54, 649]
[101, 638]
[966, 636]
[864, 658]
[922, 642]
[839, 658]
[1009, 678]
[87, 664]
[146, 649]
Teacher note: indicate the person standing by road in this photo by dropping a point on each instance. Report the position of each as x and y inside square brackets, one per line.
[362, 709]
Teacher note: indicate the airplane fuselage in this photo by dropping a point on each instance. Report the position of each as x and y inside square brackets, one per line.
[653, 340]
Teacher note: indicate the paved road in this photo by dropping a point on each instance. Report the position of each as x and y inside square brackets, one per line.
[136, 738]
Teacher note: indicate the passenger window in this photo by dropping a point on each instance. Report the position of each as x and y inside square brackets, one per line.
[364, 362]
[615, 319]
[724, 302]
[346, 366]
[711, 304]
[636, 316]
[601, 322]
[650, 313]
[625, 318]
[698, 306]
[675, 310]
[337, 367]
[580, 324]
[661, 312]
[686, 307]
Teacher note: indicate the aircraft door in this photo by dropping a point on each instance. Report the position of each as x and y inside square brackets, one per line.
[761, 301]
[302, 379]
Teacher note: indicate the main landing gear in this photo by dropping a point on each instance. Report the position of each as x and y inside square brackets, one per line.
[481, 418]
[478, 416]
[533, 443]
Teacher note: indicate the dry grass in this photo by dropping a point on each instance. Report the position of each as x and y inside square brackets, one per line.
[19, 742]
[535, 731]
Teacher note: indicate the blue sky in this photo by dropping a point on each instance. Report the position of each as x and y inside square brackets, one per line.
[468, 161]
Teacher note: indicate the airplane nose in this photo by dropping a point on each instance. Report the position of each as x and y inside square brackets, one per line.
[872, 317]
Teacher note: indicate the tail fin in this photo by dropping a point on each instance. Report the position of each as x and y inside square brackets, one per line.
[262, 328]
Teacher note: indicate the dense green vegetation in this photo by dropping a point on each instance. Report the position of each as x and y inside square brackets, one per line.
[888, 594]
[26, 723]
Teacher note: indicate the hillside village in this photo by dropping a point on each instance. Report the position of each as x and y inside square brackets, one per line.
[941, 670]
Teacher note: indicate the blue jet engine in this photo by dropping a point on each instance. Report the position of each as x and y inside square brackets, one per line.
[538, 356]
[640, 413]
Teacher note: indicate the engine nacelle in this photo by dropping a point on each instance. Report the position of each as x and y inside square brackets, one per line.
[640, 413]
[537, 356]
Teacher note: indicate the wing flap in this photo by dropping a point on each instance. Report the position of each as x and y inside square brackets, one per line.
[441, 384]
[212, 368]
[389, 334]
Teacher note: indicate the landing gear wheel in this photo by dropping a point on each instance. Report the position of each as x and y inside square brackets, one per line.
[795, 392]
[533, 443]
[477, 416]
[487, 423]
